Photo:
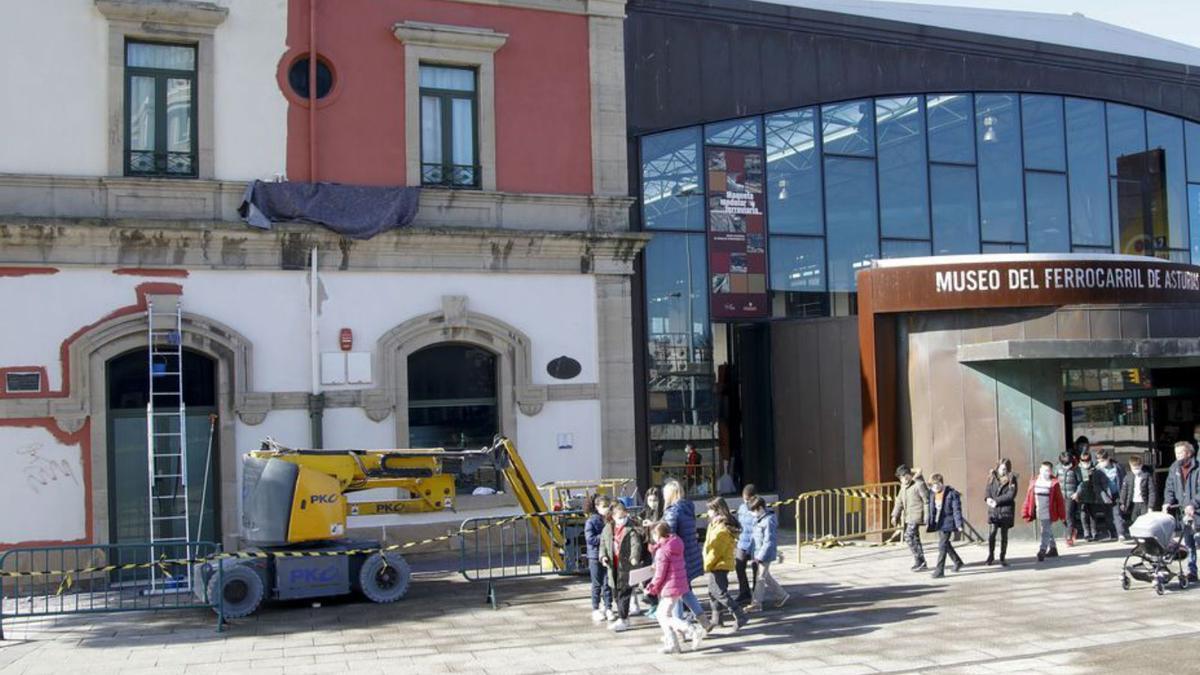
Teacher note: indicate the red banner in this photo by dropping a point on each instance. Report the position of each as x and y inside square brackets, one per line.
[737, 239]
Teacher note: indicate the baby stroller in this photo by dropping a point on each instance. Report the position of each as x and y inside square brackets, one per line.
[1159, 545]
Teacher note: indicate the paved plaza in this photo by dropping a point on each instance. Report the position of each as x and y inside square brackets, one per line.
[855, 609]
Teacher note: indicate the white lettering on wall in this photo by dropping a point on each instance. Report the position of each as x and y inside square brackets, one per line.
[1065, 278]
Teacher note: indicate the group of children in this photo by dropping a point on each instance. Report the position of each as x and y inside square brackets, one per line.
[665, 536]
[1092, 500]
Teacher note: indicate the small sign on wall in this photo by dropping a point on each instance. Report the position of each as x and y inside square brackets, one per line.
[566, 441]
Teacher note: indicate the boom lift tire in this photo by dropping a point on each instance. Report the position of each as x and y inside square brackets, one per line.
[384, 582]
[241, 590]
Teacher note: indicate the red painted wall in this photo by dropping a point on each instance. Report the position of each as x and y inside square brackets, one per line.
[543, 108]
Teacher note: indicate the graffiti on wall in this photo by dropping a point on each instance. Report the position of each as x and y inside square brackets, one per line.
[42, 473]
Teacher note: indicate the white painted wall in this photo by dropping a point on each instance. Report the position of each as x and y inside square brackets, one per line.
[55, 54]
[41, 487]
[250, 129]
[271, 310]
[53, 63]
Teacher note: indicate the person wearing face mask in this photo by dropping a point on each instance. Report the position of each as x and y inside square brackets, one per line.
[1068, 477]
[620, 551]
[1106, 485]
[680, 516]
[597, 507]
[1001, 502]
[1085, 496]
[1139, 491]
[911, 510]
[1044, 502]
[945, 518]
[719, 541]
[651, 515]
[1181, 497]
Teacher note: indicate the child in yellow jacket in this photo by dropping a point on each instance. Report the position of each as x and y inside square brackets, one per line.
[719, 544]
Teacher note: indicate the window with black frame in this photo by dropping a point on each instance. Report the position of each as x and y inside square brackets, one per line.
[449, 127]
[453, 403]
[160, 110]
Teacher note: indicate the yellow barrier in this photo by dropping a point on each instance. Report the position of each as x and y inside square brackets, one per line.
[840, 514]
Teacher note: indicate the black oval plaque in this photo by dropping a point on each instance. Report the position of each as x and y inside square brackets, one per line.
[563, 368]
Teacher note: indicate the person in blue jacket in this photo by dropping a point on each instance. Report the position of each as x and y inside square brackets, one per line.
[597, 507]
[744, 555]
[680, 516]
[945, 518]
[766, 551]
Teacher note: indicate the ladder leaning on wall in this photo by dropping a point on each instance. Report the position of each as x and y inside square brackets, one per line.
[166, 447]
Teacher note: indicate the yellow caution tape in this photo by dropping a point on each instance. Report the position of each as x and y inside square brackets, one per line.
[164, 563]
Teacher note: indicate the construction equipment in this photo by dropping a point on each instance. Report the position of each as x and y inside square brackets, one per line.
[294, 510]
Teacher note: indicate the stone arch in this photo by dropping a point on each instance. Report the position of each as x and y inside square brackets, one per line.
[86, 359]
[454, 324]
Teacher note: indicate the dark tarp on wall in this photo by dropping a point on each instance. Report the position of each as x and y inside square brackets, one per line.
[356, 211]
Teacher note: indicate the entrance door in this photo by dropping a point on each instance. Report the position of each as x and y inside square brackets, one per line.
[128, 490]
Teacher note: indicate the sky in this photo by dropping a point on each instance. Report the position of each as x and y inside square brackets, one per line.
[1177, 20]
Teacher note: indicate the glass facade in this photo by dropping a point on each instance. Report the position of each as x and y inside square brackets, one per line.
[936, 174]
[891, 177]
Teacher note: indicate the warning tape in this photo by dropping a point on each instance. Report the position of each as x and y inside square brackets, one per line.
[164, 564]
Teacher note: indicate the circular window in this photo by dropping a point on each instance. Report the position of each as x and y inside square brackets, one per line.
[298, 77]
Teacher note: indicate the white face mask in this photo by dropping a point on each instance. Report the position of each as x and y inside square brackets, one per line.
[711, 515]
[652, 503]
[1002, 470]
[1045, 473]
[1104, 464]
[1085, 464]
[936, 487]
[621, 520]
[602, 510]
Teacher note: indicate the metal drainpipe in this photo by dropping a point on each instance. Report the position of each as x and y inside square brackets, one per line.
[312, 91]
[316, 399]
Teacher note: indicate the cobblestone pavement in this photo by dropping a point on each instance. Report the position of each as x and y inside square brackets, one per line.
[854, 610]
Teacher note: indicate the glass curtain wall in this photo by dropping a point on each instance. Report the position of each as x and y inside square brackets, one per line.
[848, 182]
[938, 174]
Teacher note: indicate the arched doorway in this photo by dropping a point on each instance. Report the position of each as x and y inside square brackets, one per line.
[126, 393]
[453, 401]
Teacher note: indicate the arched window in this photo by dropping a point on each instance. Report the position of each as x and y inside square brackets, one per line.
[452, 400]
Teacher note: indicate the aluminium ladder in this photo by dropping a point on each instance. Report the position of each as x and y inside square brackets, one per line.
[166, 448]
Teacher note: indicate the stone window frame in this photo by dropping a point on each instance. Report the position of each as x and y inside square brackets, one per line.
[440, 44]
[454, 324]
[181, 21]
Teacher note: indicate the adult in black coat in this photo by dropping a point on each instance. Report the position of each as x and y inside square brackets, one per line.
[1001, 503]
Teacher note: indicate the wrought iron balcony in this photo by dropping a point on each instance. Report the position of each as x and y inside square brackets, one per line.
[460, 176]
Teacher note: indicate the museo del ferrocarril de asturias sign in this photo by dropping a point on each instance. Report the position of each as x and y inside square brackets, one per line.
[1029, 280]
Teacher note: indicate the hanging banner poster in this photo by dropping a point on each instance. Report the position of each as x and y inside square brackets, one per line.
[737, 240]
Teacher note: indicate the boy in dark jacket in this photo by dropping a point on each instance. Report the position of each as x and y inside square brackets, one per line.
[597, 507]
[945, 518]
[1068, 478]
[1106, 487]
[1139, 490]
[1089, 504]
[621, 547]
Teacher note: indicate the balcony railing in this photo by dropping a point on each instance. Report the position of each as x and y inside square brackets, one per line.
[462, 176]
[150, 163]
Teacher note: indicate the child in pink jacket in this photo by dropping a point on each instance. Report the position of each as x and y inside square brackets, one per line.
[670, 583]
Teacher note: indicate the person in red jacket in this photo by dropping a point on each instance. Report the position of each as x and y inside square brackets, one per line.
[670, 584]
[1044, 501]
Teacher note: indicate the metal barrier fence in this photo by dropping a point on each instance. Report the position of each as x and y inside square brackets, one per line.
[498, 548]
[104, 578]
[841, 514]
